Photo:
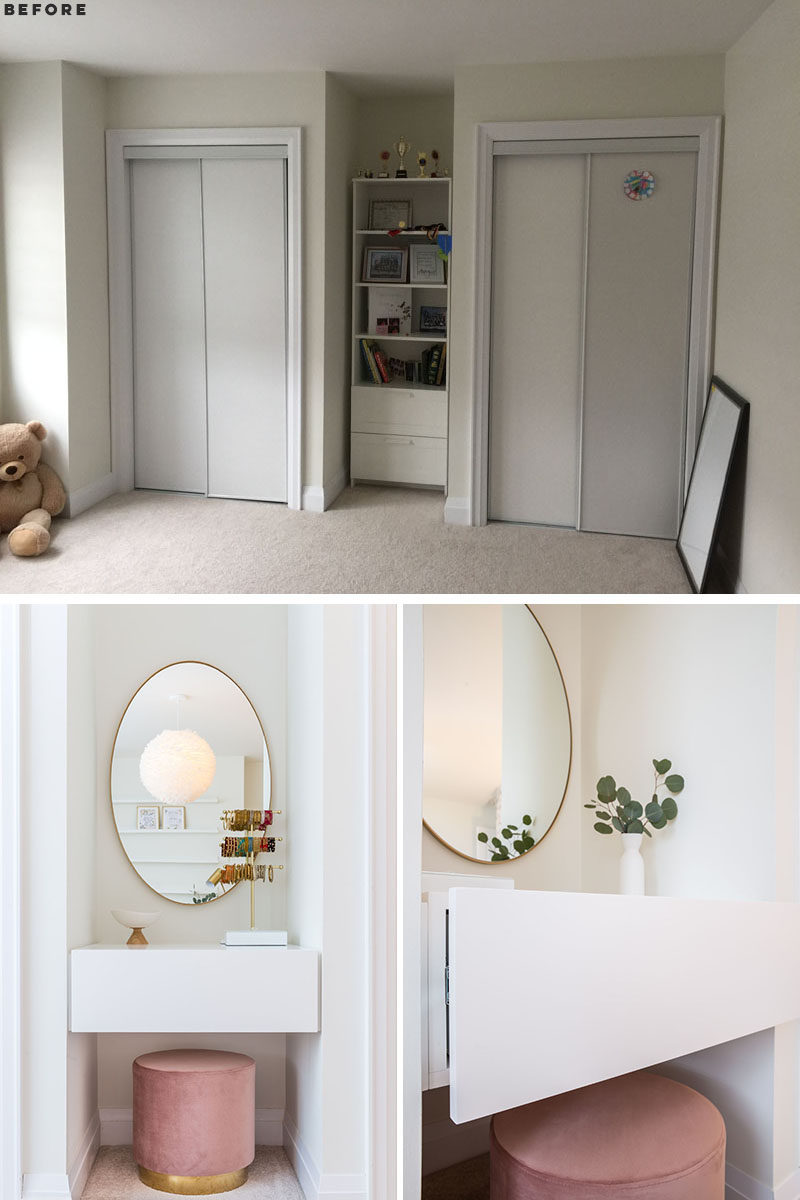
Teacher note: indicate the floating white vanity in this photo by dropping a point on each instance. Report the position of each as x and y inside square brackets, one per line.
[194, 989]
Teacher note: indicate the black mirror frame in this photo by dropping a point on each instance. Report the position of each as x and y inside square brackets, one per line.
[743, 407]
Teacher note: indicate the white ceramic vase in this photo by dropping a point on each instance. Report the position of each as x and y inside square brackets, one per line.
[631, 866]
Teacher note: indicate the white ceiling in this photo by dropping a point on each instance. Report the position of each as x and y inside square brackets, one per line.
[377, 47]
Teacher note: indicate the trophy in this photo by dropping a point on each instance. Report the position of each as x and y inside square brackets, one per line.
[402, 147]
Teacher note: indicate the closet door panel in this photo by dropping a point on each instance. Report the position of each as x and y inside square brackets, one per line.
[168, 326]
[244, 213]
[637, 336]
[537, 297]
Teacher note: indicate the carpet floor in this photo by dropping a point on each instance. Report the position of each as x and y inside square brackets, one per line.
[465, 1181]
[114, 1177]
[373, 541]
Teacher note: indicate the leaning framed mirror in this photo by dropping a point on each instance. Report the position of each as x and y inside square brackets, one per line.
[497, 748]
[188, 747]
[724, 422]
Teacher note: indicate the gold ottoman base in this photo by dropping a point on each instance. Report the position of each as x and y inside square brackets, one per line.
[193, 1185]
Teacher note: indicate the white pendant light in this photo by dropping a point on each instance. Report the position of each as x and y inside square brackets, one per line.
[178, 765]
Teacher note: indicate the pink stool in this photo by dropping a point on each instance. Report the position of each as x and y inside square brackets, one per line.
[193, 1120]
[638, 1137]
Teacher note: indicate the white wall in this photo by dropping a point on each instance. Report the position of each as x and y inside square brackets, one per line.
[340, 132]
[658, 87]
[33, 326]
[327, 1094]
[708, 687]
[426, 121]
[758, 295]
[279, 99]
[248, 642]
[86, 275]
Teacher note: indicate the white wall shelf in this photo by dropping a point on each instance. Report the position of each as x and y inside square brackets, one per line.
[194, 989]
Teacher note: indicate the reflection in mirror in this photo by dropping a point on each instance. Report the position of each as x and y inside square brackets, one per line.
[175, 847]
[497, 730]
[723, 420]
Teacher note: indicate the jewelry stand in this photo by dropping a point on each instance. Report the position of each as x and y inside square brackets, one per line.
[249, 827]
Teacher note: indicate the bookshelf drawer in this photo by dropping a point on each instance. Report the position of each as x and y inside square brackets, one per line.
[399, 410]
[398, 458]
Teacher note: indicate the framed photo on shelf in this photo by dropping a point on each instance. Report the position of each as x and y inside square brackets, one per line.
[147, 816]
[389, 214]
[384, 264]
[426, 265]
[432, 319]
[173, 816]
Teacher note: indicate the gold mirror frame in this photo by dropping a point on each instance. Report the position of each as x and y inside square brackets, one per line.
[482, 861]
[178, 663]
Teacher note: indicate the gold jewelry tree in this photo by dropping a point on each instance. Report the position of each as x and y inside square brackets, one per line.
[246, 838]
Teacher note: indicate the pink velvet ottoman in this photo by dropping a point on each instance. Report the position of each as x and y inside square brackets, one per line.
[194, 1120]
[638, 1137]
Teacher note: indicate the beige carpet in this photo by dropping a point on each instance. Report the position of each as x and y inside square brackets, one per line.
[372, 541]
[465, 1181]
[114, 1177]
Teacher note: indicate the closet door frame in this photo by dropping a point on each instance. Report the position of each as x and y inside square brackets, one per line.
[708, 132]
[120, 284]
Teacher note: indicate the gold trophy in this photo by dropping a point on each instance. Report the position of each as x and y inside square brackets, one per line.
[402, 147]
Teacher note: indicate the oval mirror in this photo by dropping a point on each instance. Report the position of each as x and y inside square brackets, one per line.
[170, 786]
[497, 730]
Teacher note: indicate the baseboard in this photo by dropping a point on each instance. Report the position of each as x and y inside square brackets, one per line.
[87, 1153]
[45, 1187]
[456, 511]
[116, 1127]
[315, 1185]
[318, 499]
[444, 1143]
[739, 1186]
[93, 493]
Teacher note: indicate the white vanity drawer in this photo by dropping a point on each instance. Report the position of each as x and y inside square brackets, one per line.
[398, 410]
[398, 458]
[194, 989]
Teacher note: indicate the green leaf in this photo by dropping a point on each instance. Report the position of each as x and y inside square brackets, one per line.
[519, 846]
[606, 788]
[513, 827]
[674, 783]
[635, 808]
[506, 833]
[659, 824]
[496, 858]
[669, 808]
[590, 806]
[623, 795]
[647, 832]
[615, 821]
[528, 842]
[496, 842]
[602, 828]
[483, 837]
[526, 820]
[653, 812]
[662, 765]
[635, 827]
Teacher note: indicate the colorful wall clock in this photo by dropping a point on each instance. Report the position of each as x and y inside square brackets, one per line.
[639, 185]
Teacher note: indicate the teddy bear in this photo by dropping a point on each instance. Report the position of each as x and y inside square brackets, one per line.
[30, 491]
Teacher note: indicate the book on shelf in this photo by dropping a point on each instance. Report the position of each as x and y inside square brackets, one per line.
[367, 353]
[440, 371]
[382, 363]
[433, 364]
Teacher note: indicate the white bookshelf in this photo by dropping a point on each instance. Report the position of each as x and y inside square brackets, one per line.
[398, 430]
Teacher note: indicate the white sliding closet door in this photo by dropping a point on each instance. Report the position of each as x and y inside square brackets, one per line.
[537, 301]
[208, 230]
[244, 211]
[590, 321]
[637, 343]
[168, 326]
